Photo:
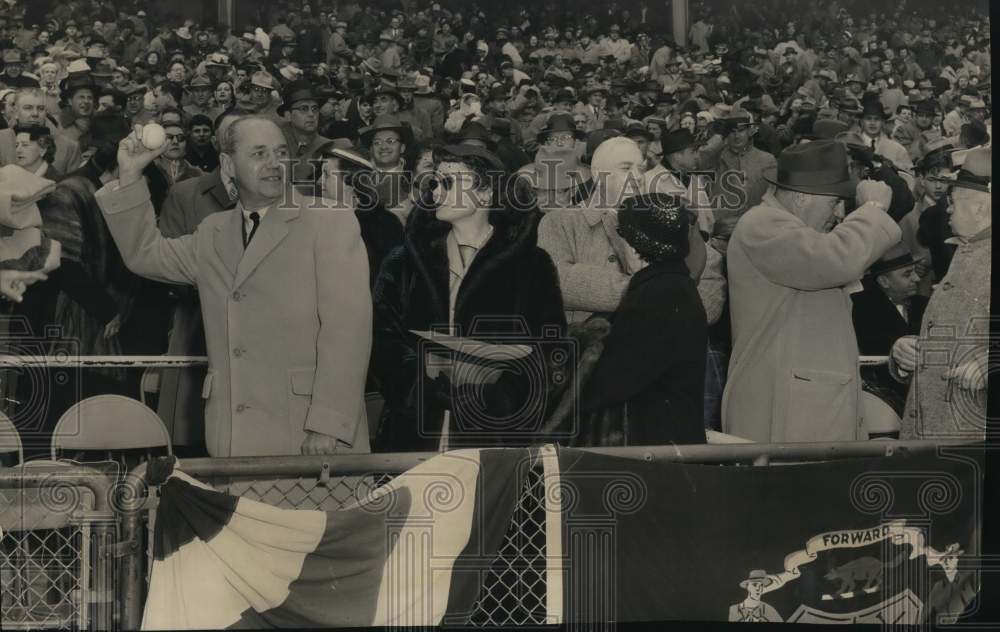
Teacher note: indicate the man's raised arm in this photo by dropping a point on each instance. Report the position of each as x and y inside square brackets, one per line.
[131, 219]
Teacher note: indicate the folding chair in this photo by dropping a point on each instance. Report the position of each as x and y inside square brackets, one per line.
[878, 419]
[149, 383]
[10, 443]
[110, 422]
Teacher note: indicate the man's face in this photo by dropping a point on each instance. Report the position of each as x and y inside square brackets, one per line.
[30, 110]
[871, 124]
[526, 115]
[935, 189]
[924, 120]
[201, 135]
[133, 103]
[899, 284]
[979, 114]
[71, 32]
[13, 69]
[82, 102]
[387, 147]
[118, 79]
[49, 74]
[176, 142]
[44, 37]
[201, 94]
[176, 73]
[623, 173]
[820, 211]
[598, 99]
[385, 104]
[739, 138]
[969, 211]
[257, 162]
[685, 159]
[105, 102]
[304, 116]
[261, 95]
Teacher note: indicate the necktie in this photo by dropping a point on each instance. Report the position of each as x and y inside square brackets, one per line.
[255, 218]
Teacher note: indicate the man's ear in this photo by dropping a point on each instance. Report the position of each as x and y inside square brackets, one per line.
[882, 282]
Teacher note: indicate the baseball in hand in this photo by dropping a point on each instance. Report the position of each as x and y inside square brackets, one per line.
[153, 136]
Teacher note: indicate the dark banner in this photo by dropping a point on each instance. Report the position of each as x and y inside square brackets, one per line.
[882, 540]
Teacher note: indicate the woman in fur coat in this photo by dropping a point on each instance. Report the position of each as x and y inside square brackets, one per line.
[468, 264]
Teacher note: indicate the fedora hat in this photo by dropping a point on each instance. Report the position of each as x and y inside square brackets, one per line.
[559, 123]
[896, 257]
[827, 128]
[474, 131]
[872, 107]
[757, 575]
[817, 168]
[422, 85]
[976, 172]
[74, 82]
[638, 129]
[677, 140]
[298, 90]
[383, 123]
[389, 90]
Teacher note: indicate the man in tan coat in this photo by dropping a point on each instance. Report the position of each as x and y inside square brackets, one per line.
[283, 283]
[793, 373]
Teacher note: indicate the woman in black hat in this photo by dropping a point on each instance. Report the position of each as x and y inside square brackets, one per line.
[647, 387]
[469, 252]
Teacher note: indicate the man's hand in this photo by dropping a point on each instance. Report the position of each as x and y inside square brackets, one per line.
[133, 156]
[874, 191]
[970, 374]
[904, 353]
[13, 283]
[319, 443]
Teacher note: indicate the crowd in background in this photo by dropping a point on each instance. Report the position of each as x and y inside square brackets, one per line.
[639, 160]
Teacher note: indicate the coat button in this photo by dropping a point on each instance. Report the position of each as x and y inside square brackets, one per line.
[240, 408]
[613, 259]
[237, 352]
[945, 286]
[236, 296]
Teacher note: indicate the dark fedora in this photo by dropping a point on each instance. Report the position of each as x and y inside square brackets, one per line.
[656, 225]
[827, 129]
[387, 89]
[475, 132]
[638, 129]
[677, 140]
[298, 90]
[976, 172]
[559, 123]
[386, 122]
[472, 151]
[817, 168]
[896, 257]
[77, 81]
[872, 107]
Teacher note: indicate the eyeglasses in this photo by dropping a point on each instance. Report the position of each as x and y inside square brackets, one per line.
[259, 90]
[306, 109]
[385, 142]
[178, 138]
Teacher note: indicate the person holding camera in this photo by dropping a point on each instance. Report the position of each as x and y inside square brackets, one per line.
[948, 374]
[873, 135]
[469, 252]
[865, 164]
[793, 373]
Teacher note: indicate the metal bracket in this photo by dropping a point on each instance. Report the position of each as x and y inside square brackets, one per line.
[324, 475]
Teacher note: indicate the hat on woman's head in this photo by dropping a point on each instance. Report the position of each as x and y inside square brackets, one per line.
[656, 225]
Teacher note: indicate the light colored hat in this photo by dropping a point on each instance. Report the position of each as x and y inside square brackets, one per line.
[77, 65]
[262, 79]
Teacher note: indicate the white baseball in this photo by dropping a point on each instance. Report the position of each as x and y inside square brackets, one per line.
[153, 136]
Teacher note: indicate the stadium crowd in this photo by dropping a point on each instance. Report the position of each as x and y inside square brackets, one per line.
[687, 237]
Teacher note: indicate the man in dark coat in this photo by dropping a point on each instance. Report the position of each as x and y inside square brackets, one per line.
[887, 309]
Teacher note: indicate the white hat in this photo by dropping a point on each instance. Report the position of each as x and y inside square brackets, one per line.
[77, 65]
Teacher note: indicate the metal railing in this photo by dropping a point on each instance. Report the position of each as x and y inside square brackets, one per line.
[57, 528]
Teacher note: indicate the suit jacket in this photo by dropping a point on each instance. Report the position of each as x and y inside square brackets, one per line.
[67, 156]
[793, 372]
[288, 320]
[179, 404]
[877, 322]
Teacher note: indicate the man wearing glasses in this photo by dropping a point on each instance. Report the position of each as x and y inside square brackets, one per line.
[300, 109]
[387, 138]
[172, 162]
